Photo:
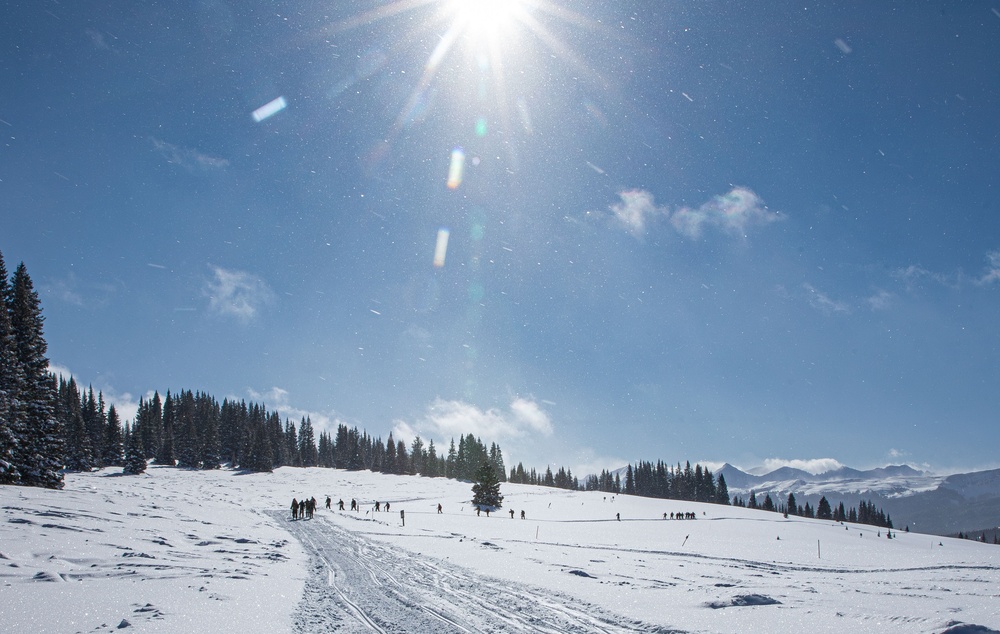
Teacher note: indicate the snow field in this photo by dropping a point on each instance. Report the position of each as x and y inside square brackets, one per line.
[177, 550]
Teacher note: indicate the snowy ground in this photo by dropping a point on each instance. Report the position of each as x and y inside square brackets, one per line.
[175, 550]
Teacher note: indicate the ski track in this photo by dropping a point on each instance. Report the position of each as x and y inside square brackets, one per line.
[356, 584]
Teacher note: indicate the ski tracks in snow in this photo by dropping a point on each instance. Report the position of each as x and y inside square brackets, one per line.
[356, 584]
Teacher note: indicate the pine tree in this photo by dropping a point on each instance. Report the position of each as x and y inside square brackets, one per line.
[486, 488]
[9, 428]
[823, 510]
[135, 455]
[721, 491]
[113, 439]
[40, 450]
[431, 467]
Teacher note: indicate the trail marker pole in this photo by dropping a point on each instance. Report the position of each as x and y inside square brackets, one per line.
[819, 554]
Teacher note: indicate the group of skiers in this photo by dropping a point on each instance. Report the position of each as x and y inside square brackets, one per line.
[304, 508]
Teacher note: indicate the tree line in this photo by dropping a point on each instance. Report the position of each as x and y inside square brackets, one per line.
[864, 513]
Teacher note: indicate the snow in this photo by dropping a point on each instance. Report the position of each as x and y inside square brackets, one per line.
[176, 550]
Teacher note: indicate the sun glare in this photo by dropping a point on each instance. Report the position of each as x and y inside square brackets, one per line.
[484, 18]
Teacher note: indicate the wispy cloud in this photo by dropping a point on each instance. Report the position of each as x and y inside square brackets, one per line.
[236, 294]
[814, 466]
[188, 158]
[72, 290]
[823, 302]
[881, 300]
[992, 273]
[447, 419]
[733, 213]
[915, 275]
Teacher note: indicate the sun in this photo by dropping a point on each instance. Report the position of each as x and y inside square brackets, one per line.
[485, 19]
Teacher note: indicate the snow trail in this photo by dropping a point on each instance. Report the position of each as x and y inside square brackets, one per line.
[357, 584]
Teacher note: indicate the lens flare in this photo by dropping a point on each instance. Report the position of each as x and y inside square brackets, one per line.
[456, 168]
[441, 247]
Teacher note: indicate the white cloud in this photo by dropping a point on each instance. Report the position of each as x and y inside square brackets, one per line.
[915, 274]
[447, 419]
[814, 466]
[236, 293]
[188, 158]
[992, 273]
[276, 399]
[732, 212]
[125, 404]
[881, 300]
[823, 302]
[635, 207]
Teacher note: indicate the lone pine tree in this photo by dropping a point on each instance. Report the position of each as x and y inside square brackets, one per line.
[486, 487]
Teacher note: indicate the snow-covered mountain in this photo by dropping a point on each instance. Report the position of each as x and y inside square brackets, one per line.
[924, 501]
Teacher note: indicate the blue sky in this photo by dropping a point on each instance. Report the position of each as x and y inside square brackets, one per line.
[706, 231]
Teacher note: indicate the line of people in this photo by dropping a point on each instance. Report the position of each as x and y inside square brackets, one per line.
[304, 508]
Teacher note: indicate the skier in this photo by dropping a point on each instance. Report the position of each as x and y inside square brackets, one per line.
[377, 506]
[295, 509]
[328, 502]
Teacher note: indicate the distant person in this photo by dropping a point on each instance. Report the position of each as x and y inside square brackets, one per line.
[512, 514]
[302, 509]
[402, 516]
[295, 509]
[478, 510]
[341, 504]
[386, 507]
[439, 509]
[618, 516]
[487, 511]
[354, 504]
[522, 515]
[378, 507]
[328, 500]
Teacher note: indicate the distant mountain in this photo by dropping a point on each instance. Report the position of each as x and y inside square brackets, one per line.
[926, 502]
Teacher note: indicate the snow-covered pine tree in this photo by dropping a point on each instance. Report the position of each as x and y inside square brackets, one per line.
[486, 487]
[40, 450]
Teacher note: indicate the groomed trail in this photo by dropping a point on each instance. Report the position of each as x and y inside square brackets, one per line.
[358, 585]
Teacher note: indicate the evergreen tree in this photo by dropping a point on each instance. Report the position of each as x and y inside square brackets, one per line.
[431, 469]
[791, 507]
[721, 491]
[823, 510]
[40, 448]
[451, 461]
[162, 417]
[307, 443]
[768, 504]
[113, 446]
[416, 456]
[486, 487]
[135, 455]
[9, 373]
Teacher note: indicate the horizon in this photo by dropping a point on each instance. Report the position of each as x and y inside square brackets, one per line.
[593, 233]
